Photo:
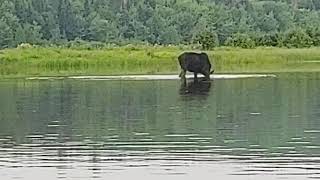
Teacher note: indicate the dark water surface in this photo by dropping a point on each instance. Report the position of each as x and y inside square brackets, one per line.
[252, 128]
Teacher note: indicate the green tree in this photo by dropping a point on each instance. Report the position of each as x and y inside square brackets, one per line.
[170, 36]
[156, 25]
[207, 40]
[6, 35]
[103, 30]
[296, 38]
[32, 33]
[240, 40]
[265, 22]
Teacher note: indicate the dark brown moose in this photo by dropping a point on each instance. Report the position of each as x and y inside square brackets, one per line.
[196, 63]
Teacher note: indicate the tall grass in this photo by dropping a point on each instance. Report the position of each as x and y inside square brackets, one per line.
[54, 61]
[266, 59]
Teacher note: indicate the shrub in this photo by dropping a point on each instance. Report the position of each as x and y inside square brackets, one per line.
[240, 40]
[267, 40]
[297, 38]
[208, 40]
[314, 34]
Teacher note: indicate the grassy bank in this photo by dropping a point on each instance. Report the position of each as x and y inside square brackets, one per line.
[39, 61]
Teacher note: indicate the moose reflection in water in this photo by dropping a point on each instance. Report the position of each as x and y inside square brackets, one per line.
[196, 87]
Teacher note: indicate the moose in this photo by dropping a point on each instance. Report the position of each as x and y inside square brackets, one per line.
[196, 63]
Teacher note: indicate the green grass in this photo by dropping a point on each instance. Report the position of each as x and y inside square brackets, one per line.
[53, 61]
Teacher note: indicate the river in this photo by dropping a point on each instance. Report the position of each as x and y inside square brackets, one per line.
[237, 128]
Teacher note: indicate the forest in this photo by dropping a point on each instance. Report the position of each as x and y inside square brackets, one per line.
[208, 23]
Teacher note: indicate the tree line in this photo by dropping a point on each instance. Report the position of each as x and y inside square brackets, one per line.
[209, 23]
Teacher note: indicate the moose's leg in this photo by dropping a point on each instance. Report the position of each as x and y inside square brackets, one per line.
[195, 76]
[206, 75]
[183, 74]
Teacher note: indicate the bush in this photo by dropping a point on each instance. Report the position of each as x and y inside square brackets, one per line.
[267, 40]
[240, 40]
[314, 34]
[297, 38]
[208, 40]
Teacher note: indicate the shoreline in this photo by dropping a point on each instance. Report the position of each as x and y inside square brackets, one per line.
[153, 77]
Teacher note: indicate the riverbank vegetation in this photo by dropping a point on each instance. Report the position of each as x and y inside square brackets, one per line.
[103, 37]
[141, 59]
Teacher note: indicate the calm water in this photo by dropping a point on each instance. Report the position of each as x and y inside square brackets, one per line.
[265, 128]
